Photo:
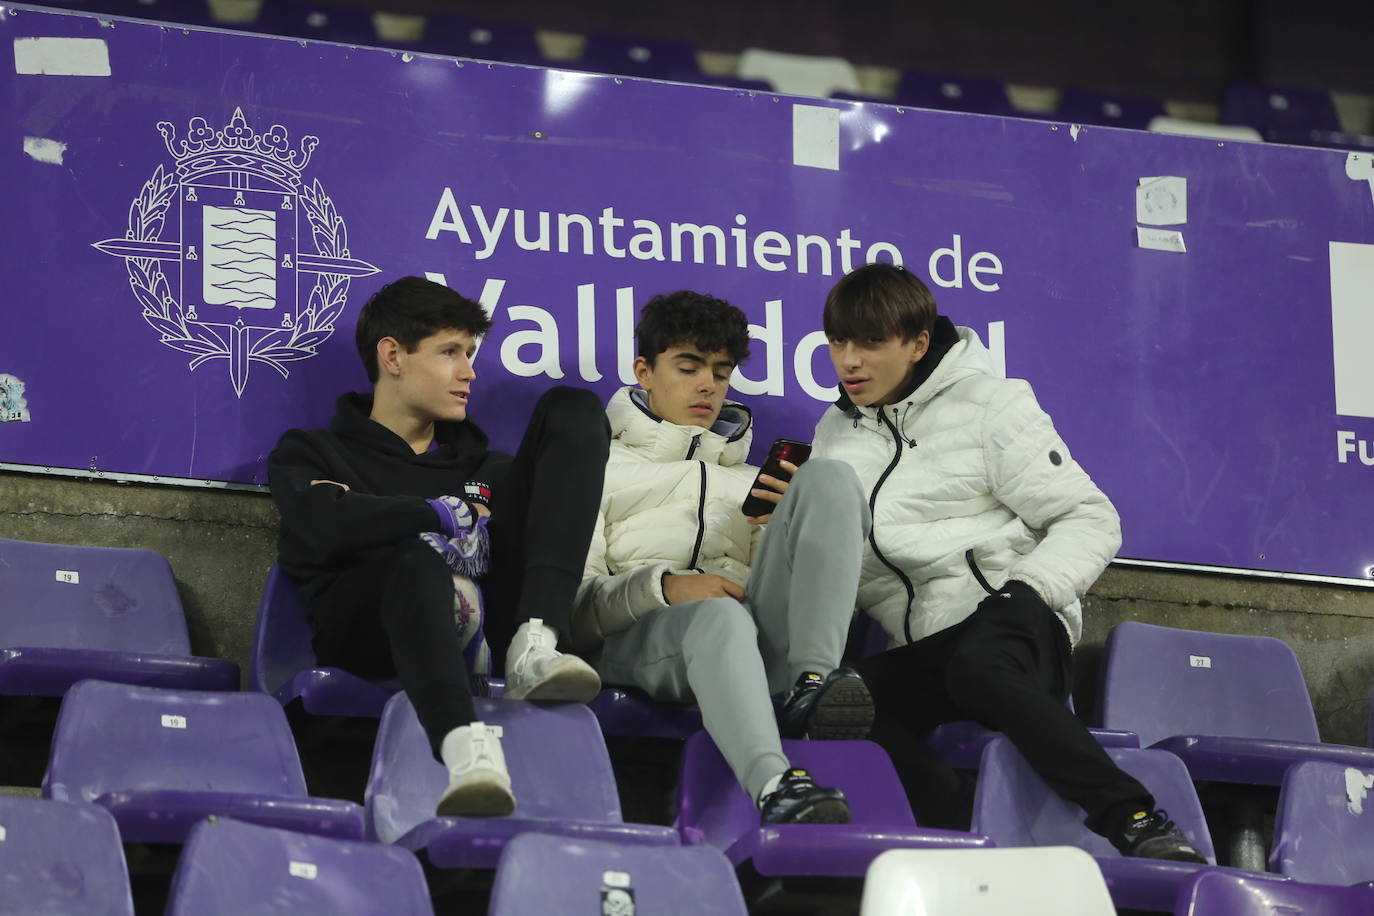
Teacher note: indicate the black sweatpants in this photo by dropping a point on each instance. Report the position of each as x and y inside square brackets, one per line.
[1008, 668]
[392, 615]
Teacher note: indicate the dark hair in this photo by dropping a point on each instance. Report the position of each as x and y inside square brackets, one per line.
[685, 317]
[879, 300]
[411, 309]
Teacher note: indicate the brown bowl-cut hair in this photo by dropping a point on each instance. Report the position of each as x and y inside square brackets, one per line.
[879, 300]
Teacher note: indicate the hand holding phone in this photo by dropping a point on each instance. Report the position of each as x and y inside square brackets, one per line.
[789, 450]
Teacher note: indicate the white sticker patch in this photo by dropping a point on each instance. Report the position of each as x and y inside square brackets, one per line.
[1360, 167]
[40, 149]
[615, 879]
[1074, 130]
[173, 721]
[61, 57]
[1352, 324]
[816, 137]
[13, 407]
[1162, 201]
[304, 870]
[68, 575]
[4, 834]
[1200, 661]
[1160, 239]
[1357, 786]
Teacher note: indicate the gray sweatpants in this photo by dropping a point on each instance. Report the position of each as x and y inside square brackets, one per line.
[730, 656]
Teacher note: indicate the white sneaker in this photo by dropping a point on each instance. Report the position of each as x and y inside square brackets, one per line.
[536, 670]
[478, 781]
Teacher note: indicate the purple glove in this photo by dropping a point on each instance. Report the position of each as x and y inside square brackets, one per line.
[455, 515]
[468, 554]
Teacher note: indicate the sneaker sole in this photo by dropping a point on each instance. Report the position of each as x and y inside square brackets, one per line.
[487, 798]
[829, 811]
[844, 712]
[575, 682]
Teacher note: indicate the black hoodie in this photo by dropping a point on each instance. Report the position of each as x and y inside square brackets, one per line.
[325, 529]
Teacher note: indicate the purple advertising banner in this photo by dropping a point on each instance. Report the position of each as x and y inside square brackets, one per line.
[192, 220]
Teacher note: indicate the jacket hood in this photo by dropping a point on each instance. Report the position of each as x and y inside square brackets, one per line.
[638, 428]
[352, 421]
[955, 353]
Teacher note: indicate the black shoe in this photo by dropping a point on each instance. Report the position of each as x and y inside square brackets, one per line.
[798, 800]
[1151, 835]
[830, 708]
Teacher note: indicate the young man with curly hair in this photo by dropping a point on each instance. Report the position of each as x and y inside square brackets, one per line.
[388, 513]
[970, 486]
[687, 599]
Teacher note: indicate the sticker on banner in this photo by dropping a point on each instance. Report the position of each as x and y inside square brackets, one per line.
[617, 896]
[173, 721]
[3, 833]
[1357, 786]
[1162, 201]
[69, 575]
[1160, 239]
[816, 137]
[61, 57]
[41, 149]
[306, 870]
[1200, 661]
[1352, 327]
[13, 407]
[1360, 167]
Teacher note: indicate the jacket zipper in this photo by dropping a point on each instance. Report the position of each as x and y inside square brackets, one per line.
[872, 531]
[701, 520]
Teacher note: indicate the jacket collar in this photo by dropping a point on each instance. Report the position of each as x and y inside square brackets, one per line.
[353, 420]
[642, 431]
[955, 354]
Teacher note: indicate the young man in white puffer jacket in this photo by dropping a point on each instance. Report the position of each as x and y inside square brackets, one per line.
[687, 599]
[986, 533]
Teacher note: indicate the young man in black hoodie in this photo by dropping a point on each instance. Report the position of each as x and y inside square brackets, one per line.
[388, 510]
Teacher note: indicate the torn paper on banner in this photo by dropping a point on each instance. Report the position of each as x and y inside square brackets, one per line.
[1162, 201]
[1360, 167]
[1160, 239]
[13, 407]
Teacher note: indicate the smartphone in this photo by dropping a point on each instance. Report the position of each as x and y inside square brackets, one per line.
[782, 450]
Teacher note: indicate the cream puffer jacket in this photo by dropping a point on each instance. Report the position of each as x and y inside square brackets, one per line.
[671, 504]
[967, 477]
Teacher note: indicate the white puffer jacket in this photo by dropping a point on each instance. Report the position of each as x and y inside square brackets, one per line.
[671, 504]
[967, 472]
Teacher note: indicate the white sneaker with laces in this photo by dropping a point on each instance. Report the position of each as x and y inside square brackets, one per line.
[478, 781]
[536, 670]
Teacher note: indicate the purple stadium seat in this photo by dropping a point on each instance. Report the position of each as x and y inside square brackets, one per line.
[1079, 106]
[283, 663]
[1215, 892]
[1044, 881]
[1324, 825]
[549, 874]
[725, 82]
[1196, 694]
[1015, 807]
[68, 613]
[560, 772]
[229, 867]
[649, 58]
[160, 760]
[954, 93]
[1265, 107]
[182, 12]
[61, 857]
[713, 809]
[1326, 139]
[625, 712]
[459, 36]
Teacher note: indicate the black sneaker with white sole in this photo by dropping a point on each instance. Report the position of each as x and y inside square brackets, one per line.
[831, 708]
[798, 800]
[1151, 835]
